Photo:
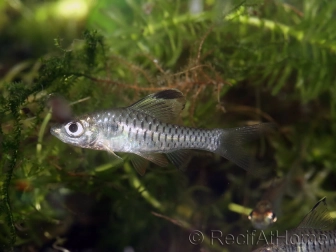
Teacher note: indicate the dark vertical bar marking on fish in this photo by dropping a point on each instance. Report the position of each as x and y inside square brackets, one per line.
[134, 122]
[129, 132]
[136, 135]
[152, 136]
[150, 126]
[159, 136]
[142, 124]
[139, 117]
[145, 133]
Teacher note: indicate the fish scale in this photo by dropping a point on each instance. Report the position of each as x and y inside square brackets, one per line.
[148, 131]
[147, 134]
[309, 242]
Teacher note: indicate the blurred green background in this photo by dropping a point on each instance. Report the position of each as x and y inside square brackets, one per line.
[237, 62]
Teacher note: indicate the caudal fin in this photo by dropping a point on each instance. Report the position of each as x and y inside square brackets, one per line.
[233, 143]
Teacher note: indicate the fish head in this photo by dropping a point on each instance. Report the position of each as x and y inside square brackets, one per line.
[78, 132]
[262, 216]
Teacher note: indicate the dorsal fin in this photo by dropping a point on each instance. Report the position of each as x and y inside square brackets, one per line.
[165, 105]
[318, 218]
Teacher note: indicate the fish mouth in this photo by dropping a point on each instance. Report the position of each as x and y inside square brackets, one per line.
[55, 131]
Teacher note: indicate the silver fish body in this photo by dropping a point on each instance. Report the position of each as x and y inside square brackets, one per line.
[306, 240]
[310, 236]
[123, 130]
[144, 129]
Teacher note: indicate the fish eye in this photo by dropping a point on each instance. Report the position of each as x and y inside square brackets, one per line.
[74, 129]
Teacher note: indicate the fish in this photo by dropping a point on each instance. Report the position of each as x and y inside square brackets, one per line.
[148, 131]
[265, 212]
[314, 233]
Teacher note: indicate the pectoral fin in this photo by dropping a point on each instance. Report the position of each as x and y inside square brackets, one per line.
[165, 105]
[109, 150]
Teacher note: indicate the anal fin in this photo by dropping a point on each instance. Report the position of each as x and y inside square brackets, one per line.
[141, 160]
[157, 158]
[140, 164]
[180, 158]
